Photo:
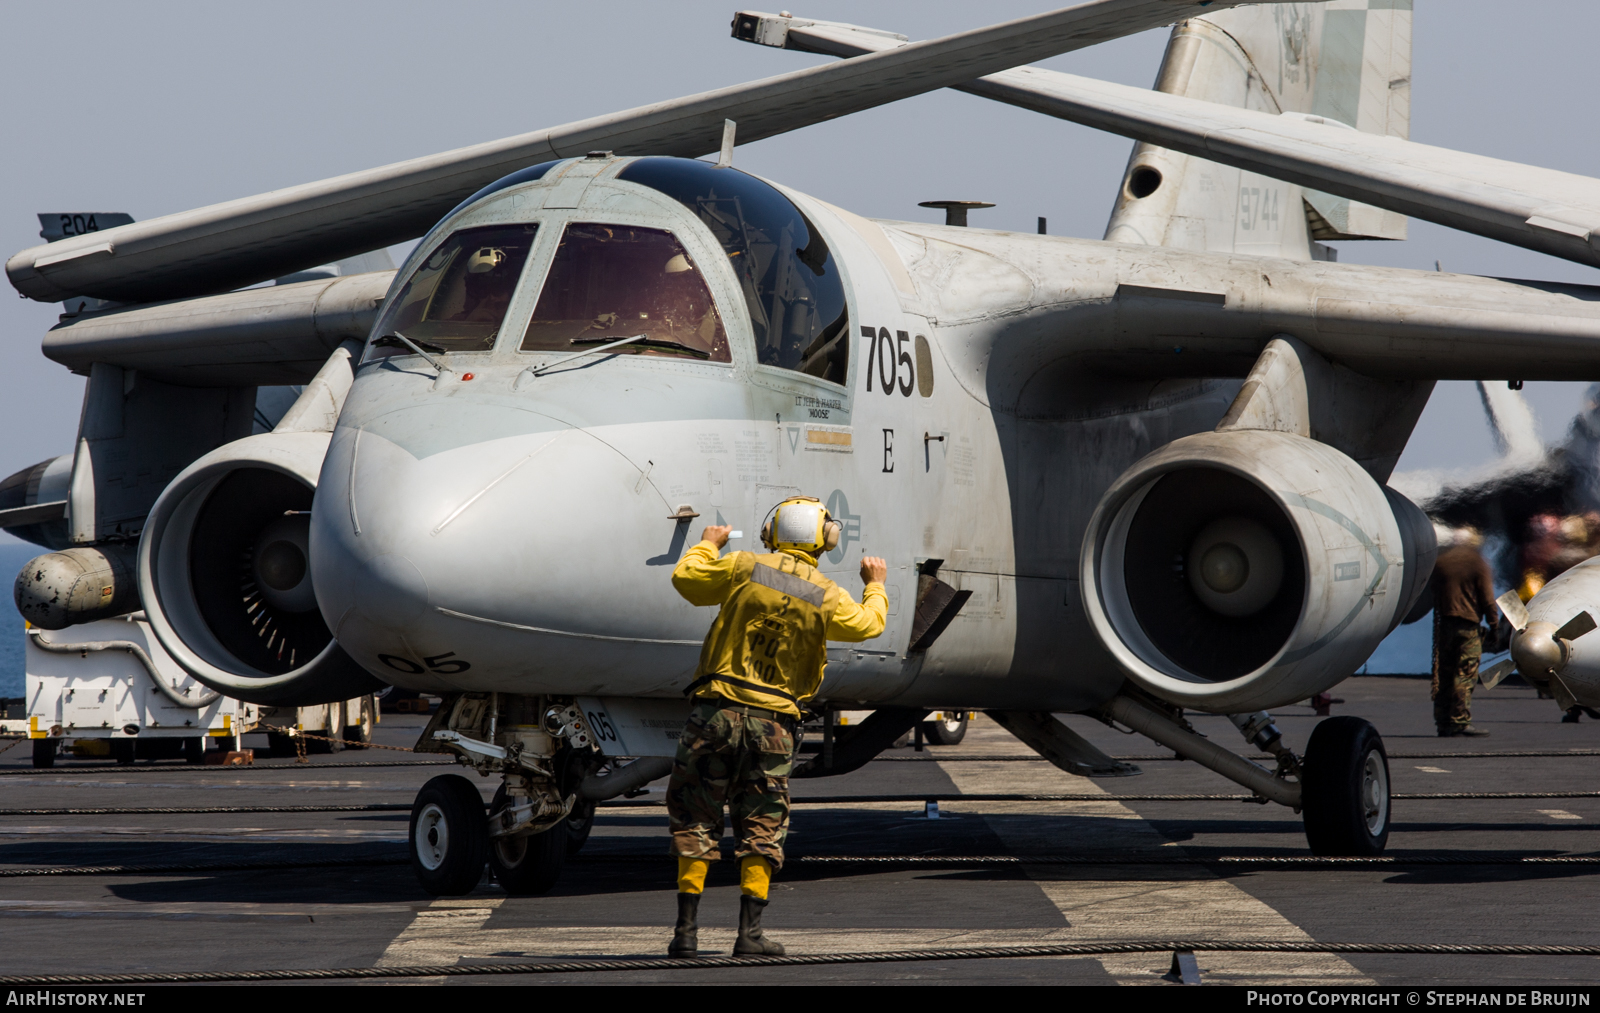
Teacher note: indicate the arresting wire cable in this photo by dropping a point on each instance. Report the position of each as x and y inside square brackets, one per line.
[915, 799]
[1243, 862]
[121, 769]
[928, 757]
[809, 959]
[175, 768]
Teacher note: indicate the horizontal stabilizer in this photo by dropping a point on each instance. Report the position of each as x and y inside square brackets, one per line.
[270, 235]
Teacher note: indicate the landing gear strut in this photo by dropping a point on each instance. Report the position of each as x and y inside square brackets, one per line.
[1345, 789]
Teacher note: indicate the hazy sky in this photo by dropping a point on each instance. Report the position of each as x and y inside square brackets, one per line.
[158, 107]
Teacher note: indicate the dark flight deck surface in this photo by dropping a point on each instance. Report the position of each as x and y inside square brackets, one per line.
[1170, 869]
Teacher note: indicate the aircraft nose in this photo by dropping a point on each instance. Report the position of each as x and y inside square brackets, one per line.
[464, 555]
[393, 592]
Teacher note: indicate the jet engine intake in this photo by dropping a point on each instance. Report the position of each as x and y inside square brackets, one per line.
[225, 578]
[1243, 570]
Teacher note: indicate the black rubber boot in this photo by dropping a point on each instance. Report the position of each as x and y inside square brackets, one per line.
[686, 937]
[751, 942]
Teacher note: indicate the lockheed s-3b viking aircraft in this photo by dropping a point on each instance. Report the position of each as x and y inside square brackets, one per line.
[1123, 478]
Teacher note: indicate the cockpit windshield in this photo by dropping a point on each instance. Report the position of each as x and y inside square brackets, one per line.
[790, 280]
[457, 298]
[615, 281]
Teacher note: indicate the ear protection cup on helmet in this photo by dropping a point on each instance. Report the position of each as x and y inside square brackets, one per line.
[831, 530]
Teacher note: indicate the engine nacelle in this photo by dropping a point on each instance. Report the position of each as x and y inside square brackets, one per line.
[1245, 570]
[225, 577]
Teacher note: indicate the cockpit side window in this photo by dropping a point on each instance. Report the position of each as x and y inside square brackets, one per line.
[456, 299]
[792, 285]
[614, 281]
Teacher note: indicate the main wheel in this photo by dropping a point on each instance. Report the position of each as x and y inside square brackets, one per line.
[529, 864]
[194, 750]
[44, 752]
[1345, 789]
[579, 822]
[945, 728]
[359, 735]
[449, 836]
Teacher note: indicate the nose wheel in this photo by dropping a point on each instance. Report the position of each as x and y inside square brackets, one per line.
[1345, 789]
[449, 836]
[527, 864]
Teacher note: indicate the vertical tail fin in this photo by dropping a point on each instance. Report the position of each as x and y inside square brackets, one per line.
[1347, 63]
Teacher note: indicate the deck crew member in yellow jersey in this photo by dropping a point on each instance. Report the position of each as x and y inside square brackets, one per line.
[762, 659]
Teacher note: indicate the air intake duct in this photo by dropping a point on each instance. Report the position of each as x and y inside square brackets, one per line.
[1244, 570]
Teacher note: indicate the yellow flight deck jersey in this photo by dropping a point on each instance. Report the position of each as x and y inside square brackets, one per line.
[768, 645]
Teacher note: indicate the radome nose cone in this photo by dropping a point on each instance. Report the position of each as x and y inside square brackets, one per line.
[392, 592]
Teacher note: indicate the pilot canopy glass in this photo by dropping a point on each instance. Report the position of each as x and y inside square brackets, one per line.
[456, 299]
[790, 280]
[615, 281]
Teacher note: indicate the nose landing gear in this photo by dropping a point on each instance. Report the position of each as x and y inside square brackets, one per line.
[527, 864]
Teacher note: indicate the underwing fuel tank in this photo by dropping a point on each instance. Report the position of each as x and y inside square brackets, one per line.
[1554, 643]
[1244, 570]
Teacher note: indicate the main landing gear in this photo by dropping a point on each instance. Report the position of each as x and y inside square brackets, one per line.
[1341, 785]
[1345, 789]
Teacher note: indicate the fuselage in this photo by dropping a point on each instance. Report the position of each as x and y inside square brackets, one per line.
[516, 531]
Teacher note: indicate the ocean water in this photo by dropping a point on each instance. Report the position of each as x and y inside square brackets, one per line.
[12, 555]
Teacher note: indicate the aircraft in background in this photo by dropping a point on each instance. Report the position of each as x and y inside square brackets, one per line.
[1122, 478]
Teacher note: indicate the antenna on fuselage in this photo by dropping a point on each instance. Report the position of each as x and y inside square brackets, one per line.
[955, 211]
[725, 159]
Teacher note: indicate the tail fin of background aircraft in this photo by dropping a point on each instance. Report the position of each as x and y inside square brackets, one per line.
[1346, 62]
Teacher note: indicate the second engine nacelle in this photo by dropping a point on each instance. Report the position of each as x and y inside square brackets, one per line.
[225, 577]
[1244, 570]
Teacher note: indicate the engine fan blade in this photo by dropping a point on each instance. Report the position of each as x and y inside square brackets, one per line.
[1575, 627]
[1511, 604]
[1499, 670]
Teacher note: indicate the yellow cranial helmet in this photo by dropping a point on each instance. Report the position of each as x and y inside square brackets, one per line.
[485, 260]
[803, 523]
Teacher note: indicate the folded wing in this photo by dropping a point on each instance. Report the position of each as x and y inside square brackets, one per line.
[241, 242]
[1553, 212]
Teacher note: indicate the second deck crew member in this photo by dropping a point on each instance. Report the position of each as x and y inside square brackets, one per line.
[763, 657]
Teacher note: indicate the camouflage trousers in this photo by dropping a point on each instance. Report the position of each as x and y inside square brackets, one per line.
[727, 757]
[1457, 646]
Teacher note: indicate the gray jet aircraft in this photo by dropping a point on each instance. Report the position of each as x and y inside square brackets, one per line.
[1123, 478]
